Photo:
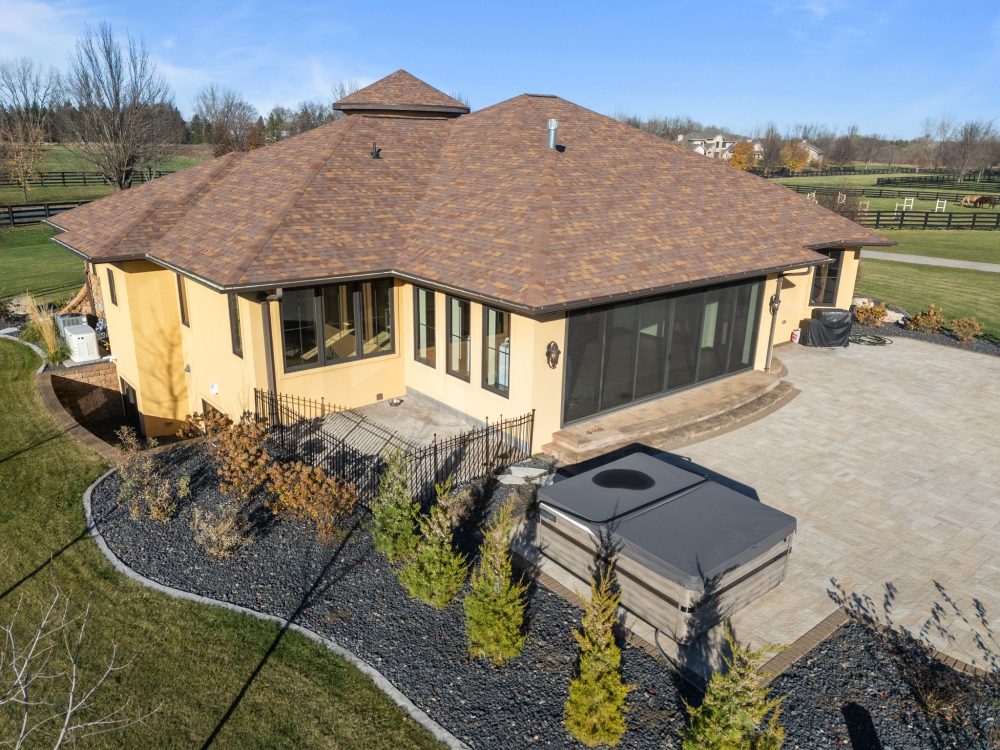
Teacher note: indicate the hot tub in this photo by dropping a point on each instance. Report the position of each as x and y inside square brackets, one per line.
[691, 551]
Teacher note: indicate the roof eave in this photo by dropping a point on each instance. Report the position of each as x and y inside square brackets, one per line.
[376, 107]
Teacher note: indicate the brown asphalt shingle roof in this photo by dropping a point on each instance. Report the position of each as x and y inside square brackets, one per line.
[401, 91]
[478, 203]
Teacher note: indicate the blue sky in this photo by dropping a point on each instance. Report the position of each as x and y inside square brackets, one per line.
[883, 65]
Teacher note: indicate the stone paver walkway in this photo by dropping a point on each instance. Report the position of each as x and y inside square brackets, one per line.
[926, 260]
[890, 460]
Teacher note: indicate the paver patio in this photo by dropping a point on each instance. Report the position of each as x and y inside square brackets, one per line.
[890, 460]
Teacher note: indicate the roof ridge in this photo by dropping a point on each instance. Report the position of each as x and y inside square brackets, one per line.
[157, 204]
[348, 124]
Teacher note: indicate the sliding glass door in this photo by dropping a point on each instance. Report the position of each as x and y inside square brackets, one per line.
[631, 351]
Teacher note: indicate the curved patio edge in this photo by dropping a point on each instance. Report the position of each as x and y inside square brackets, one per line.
[381, 682]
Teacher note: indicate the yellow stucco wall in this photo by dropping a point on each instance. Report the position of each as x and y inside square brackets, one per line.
[144, 329]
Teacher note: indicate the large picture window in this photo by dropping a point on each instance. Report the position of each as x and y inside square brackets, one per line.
[319, 325]
[424, 331]
[631, 351]
[459, 335]
[825, 280]
[496, 350]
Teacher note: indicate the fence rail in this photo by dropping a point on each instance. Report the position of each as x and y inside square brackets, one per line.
[34, 213]
[307, 430]
[928, 220]
[76, 179]
[988, 182]
[777, 172]
[879, 192]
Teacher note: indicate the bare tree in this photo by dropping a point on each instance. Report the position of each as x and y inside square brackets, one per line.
[344, 88]
[970, 148]
[22, 153]
[771, 144]
[844, 149]
[28, 93]
[869, 147]
[118, 96]
[45, 694]
[230, 120]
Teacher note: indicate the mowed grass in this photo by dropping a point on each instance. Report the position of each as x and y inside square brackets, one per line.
[191, 664]
[54, 194]
[960, 293]
[58, 158]
[979, 246]
[29, 262]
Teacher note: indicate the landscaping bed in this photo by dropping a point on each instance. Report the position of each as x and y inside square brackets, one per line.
[342, 588]
[981, 345]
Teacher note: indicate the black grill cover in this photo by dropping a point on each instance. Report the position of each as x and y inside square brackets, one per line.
[829, 328]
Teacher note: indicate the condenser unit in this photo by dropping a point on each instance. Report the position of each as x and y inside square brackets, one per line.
[82, 342]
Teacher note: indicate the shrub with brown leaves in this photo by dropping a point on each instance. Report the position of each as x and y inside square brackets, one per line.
[221, 532]
[204, 425]
[868, 314]
[307, 492]
[930, 320]
[966, 329]
[241, 459]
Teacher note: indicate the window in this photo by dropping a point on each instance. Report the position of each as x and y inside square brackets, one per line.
[111, 288]
[496, 350]
[824, 289]
[627, 352]
[424, 332]
[235, 334]
[458, 337]
[182, 300]
[335, 311]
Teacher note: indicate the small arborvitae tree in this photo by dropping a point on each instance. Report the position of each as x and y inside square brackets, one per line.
[494, 606]
[435, 573]
[737, 710]
[595, 710]
[395, 511]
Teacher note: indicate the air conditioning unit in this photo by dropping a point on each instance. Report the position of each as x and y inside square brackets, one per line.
[82, 342]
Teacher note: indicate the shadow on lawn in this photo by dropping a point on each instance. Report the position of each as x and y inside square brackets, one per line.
[316, 589]
[42, 566]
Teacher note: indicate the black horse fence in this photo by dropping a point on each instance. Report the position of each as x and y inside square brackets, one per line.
[344, 444]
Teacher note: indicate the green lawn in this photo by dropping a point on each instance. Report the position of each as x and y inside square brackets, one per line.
[61, 159]
[193, 664]
[15, 196]
[957, 244]
[839, 180]
[958, 292]
[30, 263]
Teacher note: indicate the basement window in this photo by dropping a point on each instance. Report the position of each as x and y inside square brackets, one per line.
[320, 325]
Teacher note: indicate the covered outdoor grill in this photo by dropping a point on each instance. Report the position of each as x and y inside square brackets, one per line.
[691, 551]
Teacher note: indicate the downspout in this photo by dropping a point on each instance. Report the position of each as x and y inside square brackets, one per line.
[773, 306]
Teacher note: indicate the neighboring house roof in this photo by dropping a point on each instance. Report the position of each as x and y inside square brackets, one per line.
[813, 147]
[401, 91]
[478, 204]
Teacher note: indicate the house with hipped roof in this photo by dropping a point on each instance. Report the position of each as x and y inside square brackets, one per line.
[531, 255]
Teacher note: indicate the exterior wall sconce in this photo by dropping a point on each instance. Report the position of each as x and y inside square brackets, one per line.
[552, 354]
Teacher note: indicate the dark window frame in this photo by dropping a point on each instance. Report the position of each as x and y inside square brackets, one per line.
[182, 301]
[235, 332]
[467, 377]
[505, 392]
[432, 325]
[355, 290]
[834, 268]
[112, 292]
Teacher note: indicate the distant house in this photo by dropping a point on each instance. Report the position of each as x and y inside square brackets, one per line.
[531, 256]
[815, 153]
[716, 144]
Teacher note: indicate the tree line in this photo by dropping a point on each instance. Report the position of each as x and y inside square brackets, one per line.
[115, 111]
[961, 147]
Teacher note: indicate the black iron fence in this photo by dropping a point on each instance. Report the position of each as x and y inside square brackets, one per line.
[18, 216]
[352, 448]
[928, 220]
[76, 179]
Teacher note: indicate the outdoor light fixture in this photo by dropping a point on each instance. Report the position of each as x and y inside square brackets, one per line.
[552, 354]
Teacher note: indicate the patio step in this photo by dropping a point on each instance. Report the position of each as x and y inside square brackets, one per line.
[673, 421]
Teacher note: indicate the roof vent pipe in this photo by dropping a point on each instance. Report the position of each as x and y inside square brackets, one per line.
[553, 129]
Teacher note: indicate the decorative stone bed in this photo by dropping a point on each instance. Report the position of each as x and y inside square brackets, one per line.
[980, 345]
[344, 590]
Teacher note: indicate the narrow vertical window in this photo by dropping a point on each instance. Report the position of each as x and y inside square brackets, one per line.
[496, 350]
[298, 328]
[111, 288]
[376, 313]
[339, 326]
[458, 337]
[424, 332]
[234, 325]
[825, 281]
[182, 300]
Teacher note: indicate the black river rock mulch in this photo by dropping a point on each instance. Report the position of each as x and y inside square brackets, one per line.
[343, 589]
